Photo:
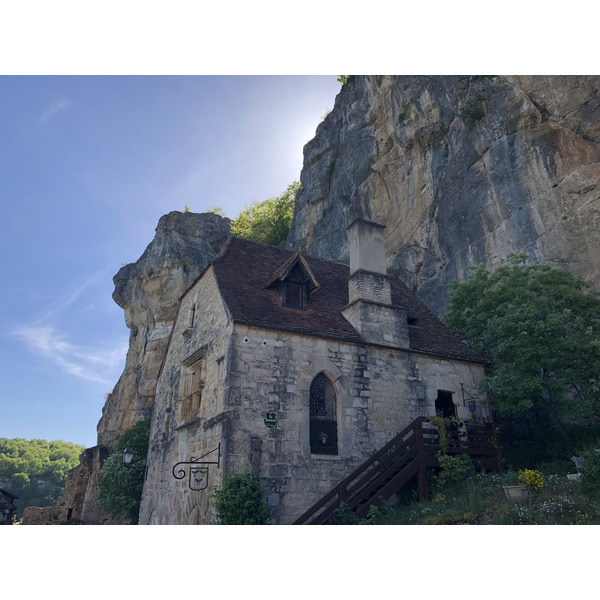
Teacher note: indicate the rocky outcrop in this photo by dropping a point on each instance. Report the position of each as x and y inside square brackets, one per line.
[149, 291]
[461, 170]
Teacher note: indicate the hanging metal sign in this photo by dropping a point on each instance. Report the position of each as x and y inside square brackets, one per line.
[271, 419]
[198, 476]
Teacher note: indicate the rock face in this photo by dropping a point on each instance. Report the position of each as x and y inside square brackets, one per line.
[149, 291]
[462, 170]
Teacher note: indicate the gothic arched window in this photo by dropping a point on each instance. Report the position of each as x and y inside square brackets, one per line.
[323, 424]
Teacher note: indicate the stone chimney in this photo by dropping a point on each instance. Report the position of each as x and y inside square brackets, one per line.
[370, 310]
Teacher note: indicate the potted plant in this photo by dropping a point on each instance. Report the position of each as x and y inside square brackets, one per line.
[515, 491]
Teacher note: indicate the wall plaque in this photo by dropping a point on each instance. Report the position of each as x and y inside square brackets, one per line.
[271, 419]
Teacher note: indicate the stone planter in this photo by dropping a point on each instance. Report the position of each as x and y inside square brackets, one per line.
[574, 476]
[516, 493]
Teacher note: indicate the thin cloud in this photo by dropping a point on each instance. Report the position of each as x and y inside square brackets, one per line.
[56, 108]
[67, 300]
[53, 347]
[42, 338]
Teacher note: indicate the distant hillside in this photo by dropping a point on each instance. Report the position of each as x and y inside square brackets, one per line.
[36, 470]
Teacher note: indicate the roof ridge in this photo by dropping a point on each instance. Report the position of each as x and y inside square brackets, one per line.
[280, 249]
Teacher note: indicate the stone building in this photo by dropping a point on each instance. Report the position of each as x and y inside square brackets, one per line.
[296, 367]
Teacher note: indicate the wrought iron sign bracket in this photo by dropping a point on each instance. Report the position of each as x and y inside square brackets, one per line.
[198, 473]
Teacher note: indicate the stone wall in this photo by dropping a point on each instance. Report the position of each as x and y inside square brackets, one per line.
[175, 436]
[379, 391]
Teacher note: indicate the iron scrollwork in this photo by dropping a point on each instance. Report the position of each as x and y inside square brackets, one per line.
[198, 475]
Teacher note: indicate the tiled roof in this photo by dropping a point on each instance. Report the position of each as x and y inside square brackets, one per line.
[243, 270]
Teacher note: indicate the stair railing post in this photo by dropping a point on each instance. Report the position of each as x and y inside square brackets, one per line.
[422, 462]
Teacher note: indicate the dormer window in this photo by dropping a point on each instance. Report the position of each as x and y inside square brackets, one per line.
[294, 282]
[292, 295]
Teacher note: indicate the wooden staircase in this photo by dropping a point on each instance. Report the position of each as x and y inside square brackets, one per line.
[408, 454]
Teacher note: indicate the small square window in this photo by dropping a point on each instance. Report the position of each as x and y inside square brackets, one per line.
[292, 295]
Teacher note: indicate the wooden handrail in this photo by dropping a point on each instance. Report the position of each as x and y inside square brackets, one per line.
[332, 494]
[409, 452]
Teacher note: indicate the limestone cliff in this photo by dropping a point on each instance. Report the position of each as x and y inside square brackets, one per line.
[148, 291]
[461, 170]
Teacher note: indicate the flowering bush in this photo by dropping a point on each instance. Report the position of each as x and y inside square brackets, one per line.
[534, 479]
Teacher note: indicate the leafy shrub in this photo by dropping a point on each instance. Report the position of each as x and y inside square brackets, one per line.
[120, 486]
[344, 515]
[471, 111]
[345, 79]
[268, 222]
[240, 501]
[590, 476]
[556, 467]
[454, 469]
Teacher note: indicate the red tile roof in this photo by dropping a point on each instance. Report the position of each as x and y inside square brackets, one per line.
[243, 269]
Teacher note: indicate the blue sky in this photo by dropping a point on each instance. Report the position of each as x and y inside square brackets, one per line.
[88, 165]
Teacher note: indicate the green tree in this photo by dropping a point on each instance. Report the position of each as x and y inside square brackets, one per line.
[538, 326]
[344, 79]
[36, 470]
[240, 501]
[471, 111]
[269, 221]
[216, 210]
[120, 486]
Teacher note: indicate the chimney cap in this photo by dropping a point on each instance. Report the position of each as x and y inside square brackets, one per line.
[367, 221]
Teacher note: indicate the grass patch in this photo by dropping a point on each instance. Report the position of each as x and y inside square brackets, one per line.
[481, 501]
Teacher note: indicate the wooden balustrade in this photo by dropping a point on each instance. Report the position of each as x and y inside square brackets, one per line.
[410, 453]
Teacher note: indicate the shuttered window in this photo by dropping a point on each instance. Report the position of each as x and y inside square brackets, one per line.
[190, 395]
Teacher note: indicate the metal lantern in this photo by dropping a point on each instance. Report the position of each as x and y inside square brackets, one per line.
[128, 455]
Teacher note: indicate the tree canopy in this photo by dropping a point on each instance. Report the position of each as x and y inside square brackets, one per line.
[36, 470]
[538, 326]
[269, 221]
[120, 486]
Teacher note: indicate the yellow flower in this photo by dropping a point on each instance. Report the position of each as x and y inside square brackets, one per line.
[534, 479]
